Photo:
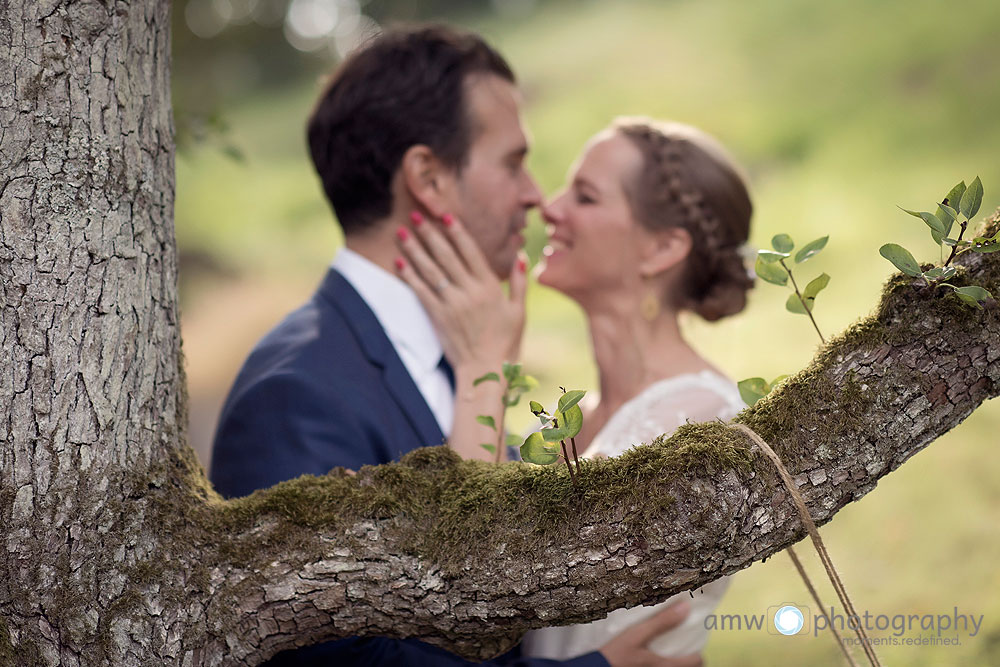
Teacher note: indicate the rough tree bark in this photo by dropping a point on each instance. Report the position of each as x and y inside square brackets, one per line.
[117, 551]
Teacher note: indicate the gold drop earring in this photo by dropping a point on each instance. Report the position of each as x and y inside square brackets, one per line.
[650, 305]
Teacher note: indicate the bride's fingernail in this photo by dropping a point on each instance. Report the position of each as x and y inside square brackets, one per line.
[402, 233]
[522, 265]
[416, 218]
[400, 263]
[447, 219]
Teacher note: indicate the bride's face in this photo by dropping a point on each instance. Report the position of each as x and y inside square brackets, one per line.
[594, 241]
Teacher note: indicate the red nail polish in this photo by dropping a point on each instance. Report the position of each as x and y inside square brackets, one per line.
[402, 233]
[447, 219]
[400, 263]
[416, 218]
[522, 265]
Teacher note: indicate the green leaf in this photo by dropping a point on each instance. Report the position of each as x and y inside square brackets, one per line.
[536, 450]
[536, 408]
[772, 273]
[570, 398]
[512, 400]
[946, 211]
[972, 198]
[523, 383]
[782, 243]
[770, 257]
[510, 371]
[946, 214]
[815, 286]
[976, 292]
[778, 380]
[489, 377]
[752, 390]
[986, 245]
[513, 440]
[569, 424]
[491, 448]
[972, 294]
[954, 195]
[953, 242]
[939, 273]
[812, 248]
[486, 420]
[902, 258]
[969, 300]
[929, 218]
[794, 305]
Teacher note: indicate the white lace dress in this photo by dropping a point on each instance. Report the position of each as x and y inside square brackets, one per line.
[661, 408]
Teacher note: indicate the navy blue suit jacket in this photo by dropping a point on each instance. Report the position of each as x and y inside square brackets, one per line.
[325, 388]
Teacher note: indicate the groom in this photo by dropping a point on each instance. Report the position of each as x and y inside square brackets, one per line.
[422, 118]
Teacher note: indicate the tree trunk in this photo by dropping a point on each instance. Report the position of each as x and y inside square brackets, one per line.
[117, 550]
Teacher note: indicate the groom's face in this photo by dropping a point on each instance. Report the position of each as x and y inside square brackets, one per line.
[493, 188]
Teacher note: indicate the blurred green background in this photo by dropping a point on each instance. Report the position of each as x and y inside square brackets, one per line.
[839, 111]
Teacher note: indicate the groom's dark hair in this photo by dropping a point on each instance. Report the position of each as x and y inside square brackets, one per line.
[405, 87]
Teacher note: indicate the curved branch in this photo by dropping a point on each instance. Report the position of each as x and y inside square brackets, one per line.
[469, 555]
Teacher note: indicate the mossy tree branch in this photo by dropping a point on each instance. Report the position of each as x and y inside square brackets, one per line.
[470, 555]
[115, 549]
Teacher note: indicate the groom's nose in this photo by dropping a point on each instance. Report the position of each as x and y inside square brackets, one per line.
[531, 195]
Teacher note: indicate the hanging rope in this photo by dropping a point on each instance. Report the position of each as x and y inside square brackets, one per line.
[815, 596]
[824, 556]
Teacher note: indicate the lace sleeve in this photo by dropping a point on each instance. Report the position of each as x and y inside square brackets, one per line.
[660, 409]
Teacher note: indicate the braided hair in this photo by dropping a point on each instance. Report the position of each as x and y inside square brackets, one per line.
[688, 180]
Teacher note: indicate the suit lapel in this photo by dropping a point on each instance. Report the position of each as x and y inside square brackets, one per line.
[339, 293]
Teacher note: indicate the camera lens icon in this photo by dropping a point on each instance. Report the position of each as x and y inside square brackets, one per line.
[788, 620]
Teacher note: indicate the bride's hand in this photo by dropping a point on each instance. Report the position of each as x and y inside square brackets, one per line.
[480, 325]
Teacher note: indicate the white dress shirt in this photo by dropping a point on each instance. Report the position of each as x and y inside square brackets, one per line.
[408, 327]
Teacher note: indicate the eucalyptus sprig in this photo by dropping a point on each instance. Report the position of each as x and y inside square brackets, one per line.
[771, 267]
[517, 383]
[562, 425]
[941, 223]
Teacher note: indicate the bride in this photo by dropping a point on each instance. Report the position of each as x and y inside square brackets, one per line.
[650, 225]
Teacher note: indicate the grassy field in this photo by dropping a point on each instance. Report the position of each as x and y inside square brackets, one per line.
[839, 111]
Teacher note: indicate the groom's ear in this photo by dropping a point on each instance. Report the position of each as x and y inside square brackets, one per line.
[664, 249]
[429, 181]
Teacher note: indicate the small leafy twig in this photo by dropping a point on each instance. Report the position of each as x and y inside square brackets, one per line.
[823, 279]
[517, 384]
[771, 267]
[562, 425]
[969, 200]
